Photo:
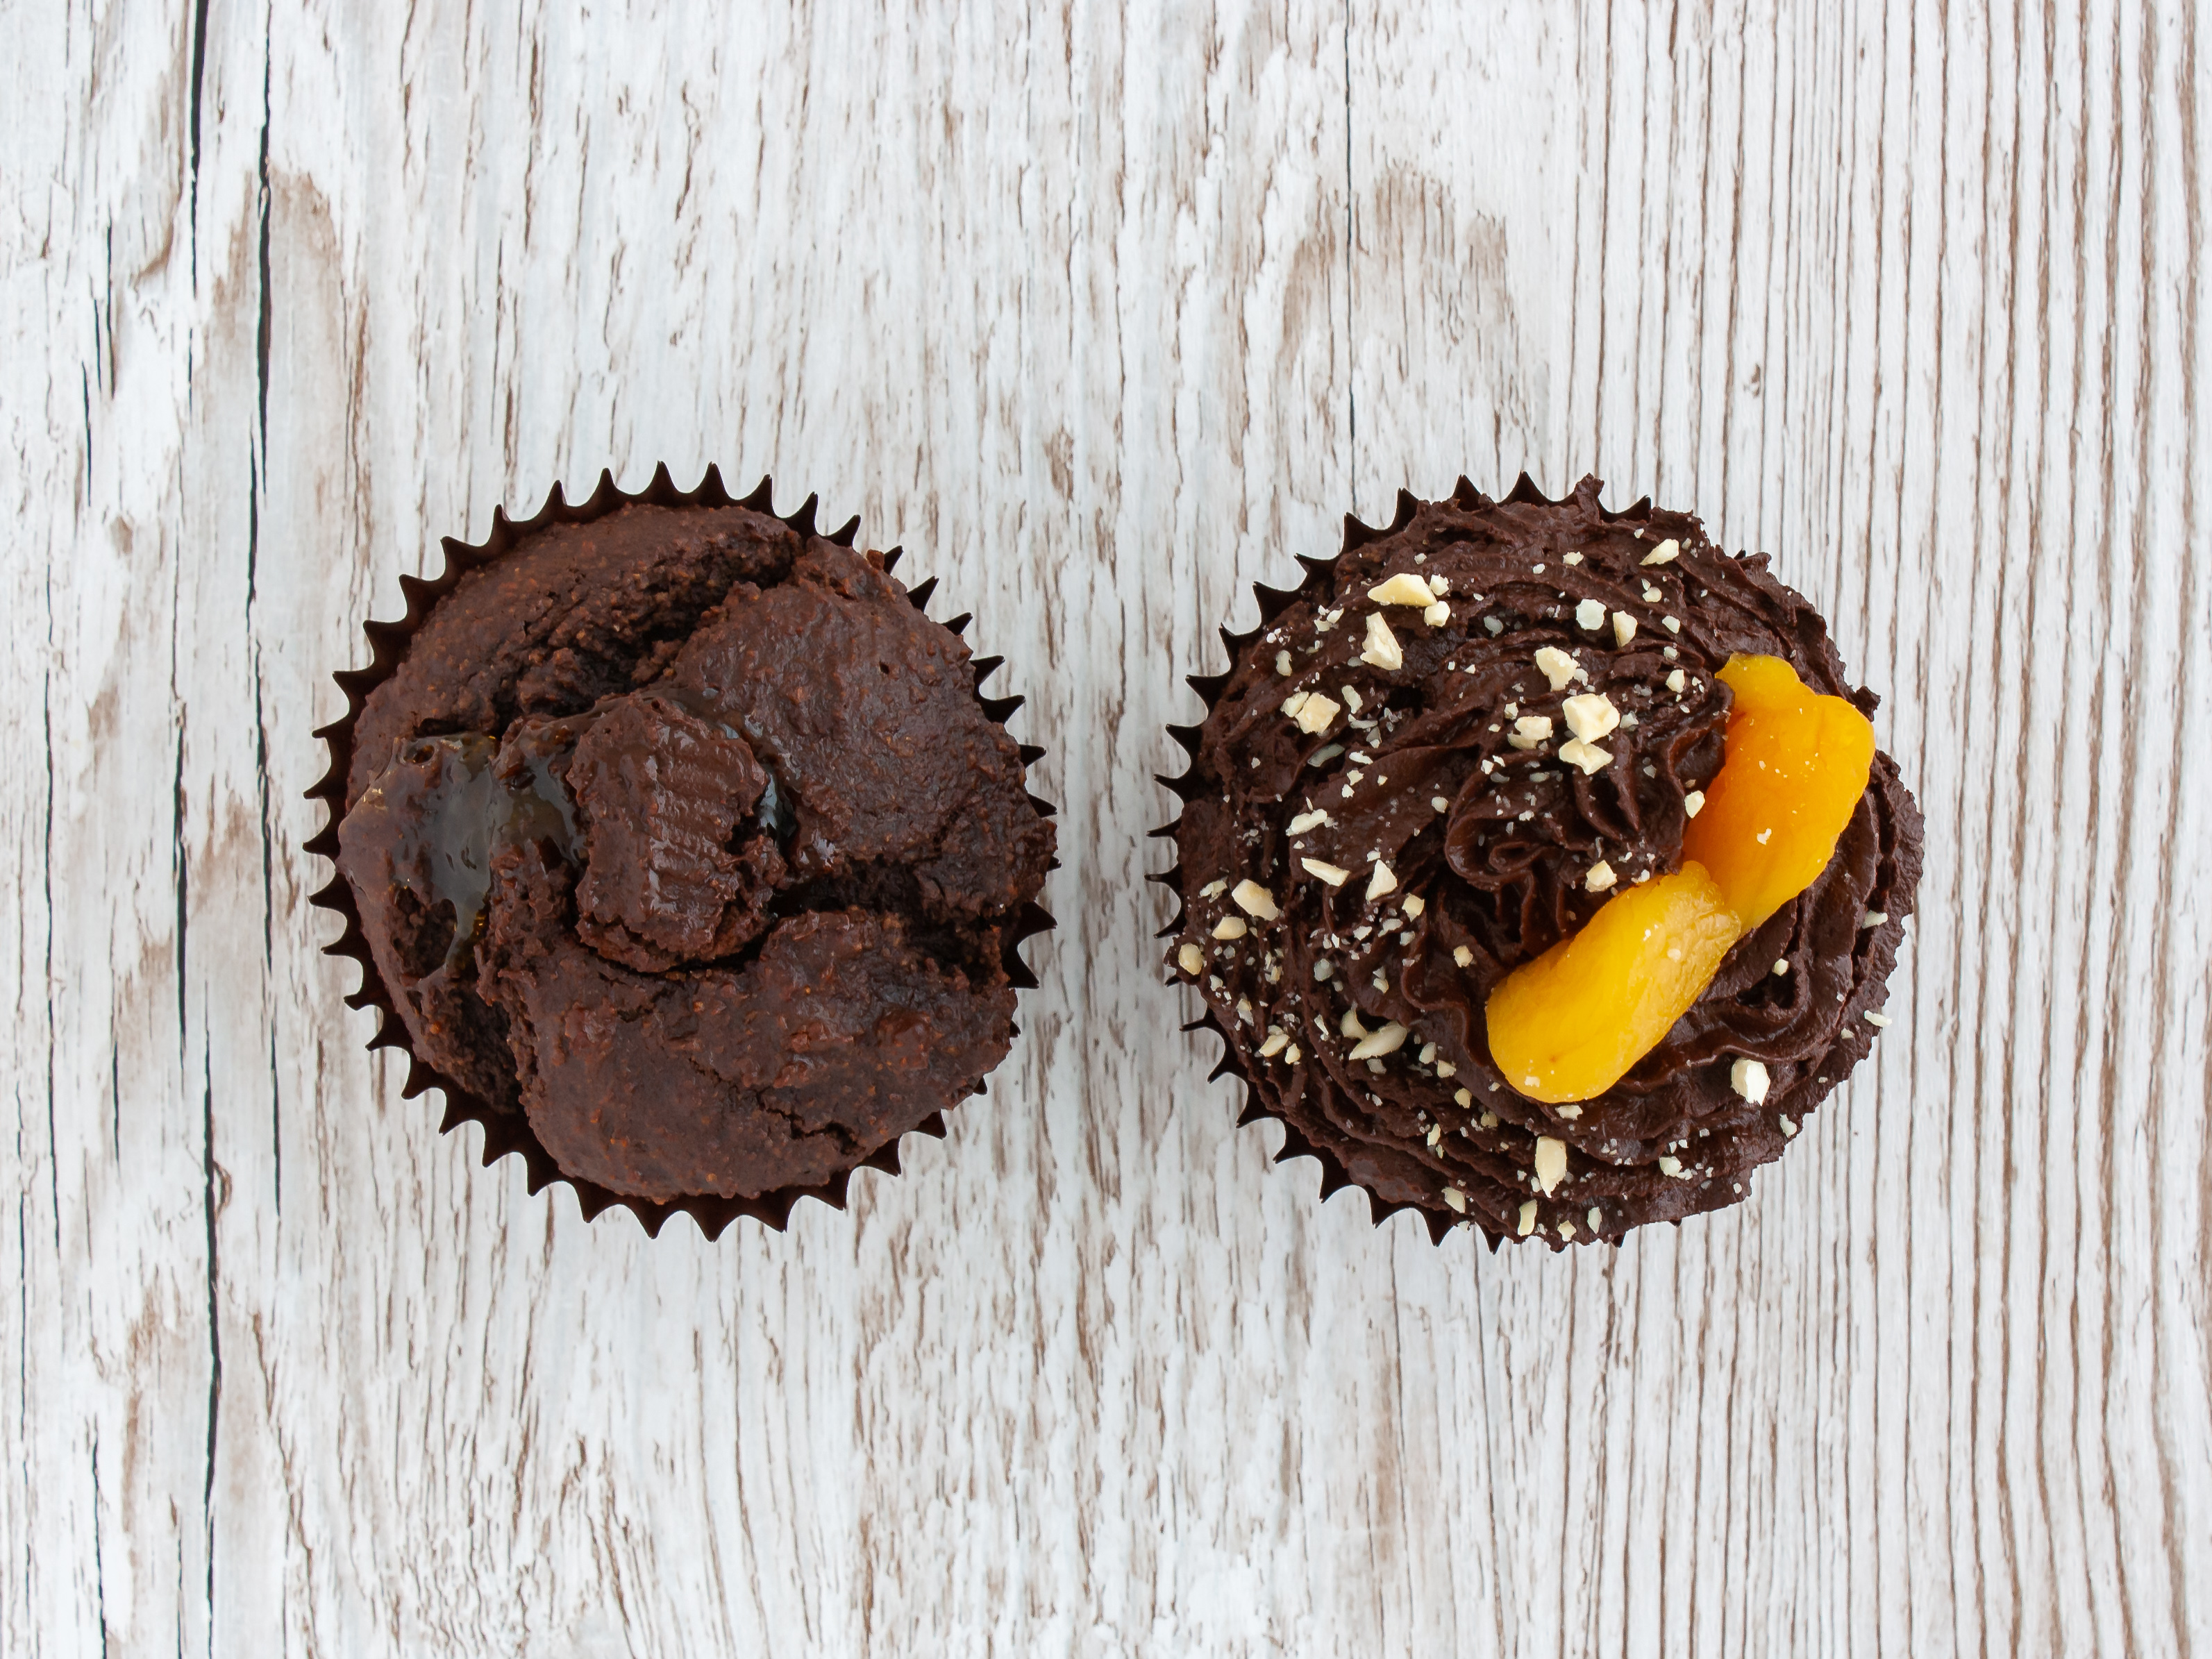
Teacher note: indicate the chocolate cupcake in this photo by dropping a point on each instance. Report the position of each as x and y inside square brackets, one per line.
[1386, 825]
[680, 849]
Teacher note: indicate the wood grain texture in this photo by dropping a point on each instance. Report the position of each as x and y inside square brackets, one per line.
[1104, 311]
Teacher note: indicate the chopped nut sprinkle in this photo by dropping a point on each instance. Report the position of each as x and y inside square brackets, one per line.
[1462, 1097]
[1529, 1217]
[1456, 1199]
[1676, 681]
[1665, 553]
[1283, 664]
[1588, 756]
[1381, 882]
[1436, 615]
[1550, 1163]
[1591, 715]
[1276, 1042]
[1256, 900]
[1230, 927]
[1384, 1040]
[1624, 627]
[1600, 877]
[1412, 904]
[1558, 667]
[1748, 1079]
[1332, 873]
[1382, 649]
[1872, 919]
[1531, 731]
[1693, 803]
[1404, 588]
[1462, 955]
[1314, 712]
[1878, 1021]
[1193, 960]
[1214, 889]
[1589, 614]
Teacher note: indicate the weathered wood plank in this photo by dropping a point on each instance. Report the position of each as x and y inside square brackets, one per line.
[1105, 312]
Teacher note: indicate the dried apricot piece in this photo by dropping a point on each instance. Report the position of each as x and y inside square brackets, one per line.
[1568, 1025]
[1797, 765]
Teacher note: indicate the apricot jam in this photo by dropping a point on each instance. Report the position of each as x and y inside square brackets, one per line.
[1569, 1025]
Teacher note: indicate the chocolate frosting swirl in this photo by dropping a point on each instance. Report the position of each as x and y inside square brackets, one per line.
[1491, 846]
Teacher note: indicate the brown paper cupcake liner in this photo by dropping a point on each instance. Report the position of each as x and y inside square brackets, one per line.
[1273, 601]
[506, 1132]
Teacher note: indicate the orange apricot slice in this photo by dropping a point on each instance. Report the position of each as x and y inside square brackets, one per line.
[1796, 766]
[1570, 1024]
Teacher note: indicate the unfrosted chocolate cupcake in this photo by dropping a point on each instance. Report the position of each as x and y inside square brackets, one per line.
[683, 852]
[1434, 754]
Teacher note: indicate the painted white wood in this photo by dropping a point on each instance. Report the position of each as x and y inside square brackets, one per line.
[1104, 311]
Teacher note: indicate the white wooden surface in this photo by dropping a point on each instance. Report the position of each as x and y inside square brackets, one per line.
[1104, 311]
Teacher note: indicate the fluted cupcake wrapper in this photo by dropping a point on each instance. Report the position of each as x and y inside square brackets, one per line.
[1273, 602]
[510, 1132]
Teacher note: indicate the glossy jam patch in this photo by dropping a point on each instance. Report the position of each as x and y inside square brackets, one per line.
[1569, 1025]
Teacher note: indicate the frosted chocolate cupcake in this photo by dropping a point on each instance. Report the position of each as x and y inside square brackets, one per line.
[1417, 789]
[683, 852]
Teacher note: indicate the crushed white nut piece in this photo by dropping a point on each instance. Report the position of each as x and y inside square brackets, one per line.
[1462, 1098]
[1675, 681]
[1550, 1163]
[1558, 667]
[1214, 889]
[1765, 835]
[1567, 1230]
[1748, 1079]
[1352, 700]
[1306, 821]
[1384, 1040]
[1283, 664]
[1254, 899]
[1693, 803]
[1350, 1025]
[1324, 755]
[1462, 955]
[1436, 615]
[1438, 803]
[1591, 614]
[1788, 1128]
[1229, 927]
[1781, 966]
[1324, 967]
[1381, 882]
[1568, 1112]
[1878, 1021]
[1672, 1166]
[1531, 731]
[1428, 1053]
[1872, 919]
[1315, 712]
[1404, 588]
[1456, 1199]
[1624, 627]
[1590, 716]
[1493, 628]
[1193, 960]
[1588, 756]
[1670, 654]
[1600, 877]
[1665, 553]
[1244, 1009]
[1440, 586]
[1290, 1055]
[1529, 1217]
[1276, 1042]
[1382, 650]
[1571, 558]
[1594, 1218]
[1412, 904]
[1445, 1068]
[1435, 1133]
[1334, 874]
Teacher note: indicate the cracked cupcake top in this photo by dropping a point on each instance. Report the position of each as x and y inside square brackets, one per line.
[1439, 758]
[683, 832]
